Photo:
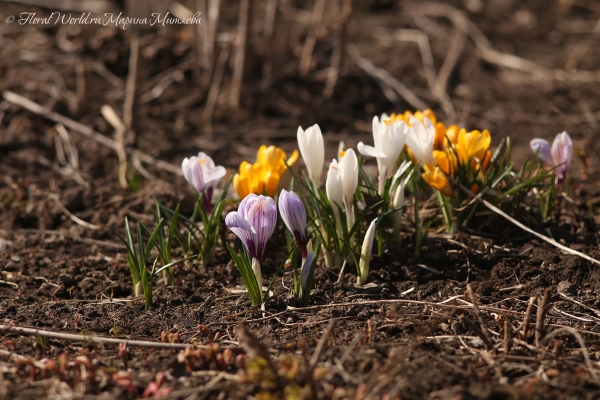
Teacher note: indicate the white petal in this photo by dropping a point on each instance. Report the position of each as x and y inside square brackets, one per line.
[370, 151]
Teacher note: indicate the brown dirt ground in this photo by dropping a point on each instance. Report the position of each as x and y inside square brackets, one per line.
[411, 334]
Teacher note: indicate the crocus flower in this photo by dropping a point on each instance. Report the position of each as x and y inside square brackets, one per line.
[559, 155]
[254, 223]
[305, 272]
[294, 216]
[200, 172]
[262, 176]
[420, 139]
[310, 142]
[389, 141]
[437, 179]
[348, 170]
[365, 254]
[335, 193]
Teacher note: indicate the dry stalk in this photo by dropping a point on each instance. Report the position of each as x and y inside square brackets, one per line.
[309, 43]
[527, 318]
[387, 82]
[525, 228]
[36, 108]
[213, 93]
[489, 54]
[120, 128]
[131, 83]
[484, 328]
[269, 29]
[254, 348]
[241, 42]
[338, 49]
[508, 335]
[315, 357]
[20, 330]
[541, 315]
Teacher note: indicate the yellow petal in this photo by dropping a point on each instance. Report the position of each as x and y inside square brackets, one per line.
[437, 179]
[271, 183]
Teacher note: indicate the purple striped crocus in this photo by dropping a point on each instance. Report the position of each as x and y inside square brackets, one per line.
[254, 223]
[294, 215]
[558, 155]
[200, 172]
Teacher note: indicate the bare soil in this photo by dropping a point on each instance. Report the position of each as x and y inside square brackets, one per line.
[412, 333]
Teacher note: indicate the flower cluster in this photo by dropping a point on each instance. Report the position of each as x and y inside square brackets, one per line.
[346, 217]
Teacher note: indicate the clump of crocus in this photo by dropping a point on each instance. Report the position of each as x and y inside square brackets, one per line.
[200, 172]
[389, 141]
[254, 223]
[558, 155]
[310, 142]
[263, 176]
[293, 214]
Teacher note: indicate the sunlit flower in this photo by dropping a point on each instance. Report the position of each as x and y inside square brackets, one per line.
[473, 147]
[389, 141]
[294, 216]
[262, 176]
[200, 172]
[312, 148]
[254, 223]
[365, 254]
[420, 139]
[335, 192]
[437, 179]
[559, 155]
[348, 170]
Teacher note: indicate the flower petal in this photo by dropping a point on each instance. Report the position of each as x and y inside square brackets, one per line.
[542, 147]
[236, 222]
[370, 151]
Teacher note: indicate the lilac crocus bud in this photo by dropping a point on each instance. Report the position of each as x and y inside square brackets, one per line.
[294, 215]
[559, 155]
[305, 272]
[365, 254]
[200, 172]
[254, 223]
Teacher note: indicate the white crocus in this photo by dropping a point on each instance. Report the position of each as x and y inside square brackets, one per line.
[389, 142]
[420, 139]
[365, 254]
[348, 168]
[335, 193]
[310, 142]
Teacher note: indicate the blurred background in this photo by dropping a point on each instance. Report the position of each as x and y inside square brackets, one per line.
[89, 109]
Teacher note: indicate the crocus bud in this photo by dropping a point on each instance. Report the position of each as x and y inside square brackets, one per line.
[305, 273]
[310, 142]
[348, 168]
[335, 192]
[200, 172]
[365, 254]
[559, 155]
[294, 216]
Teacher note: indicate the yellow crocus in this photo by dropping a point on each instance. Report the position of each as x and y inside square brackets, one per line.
[437, 179]
[262, 176]
[473, 146]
